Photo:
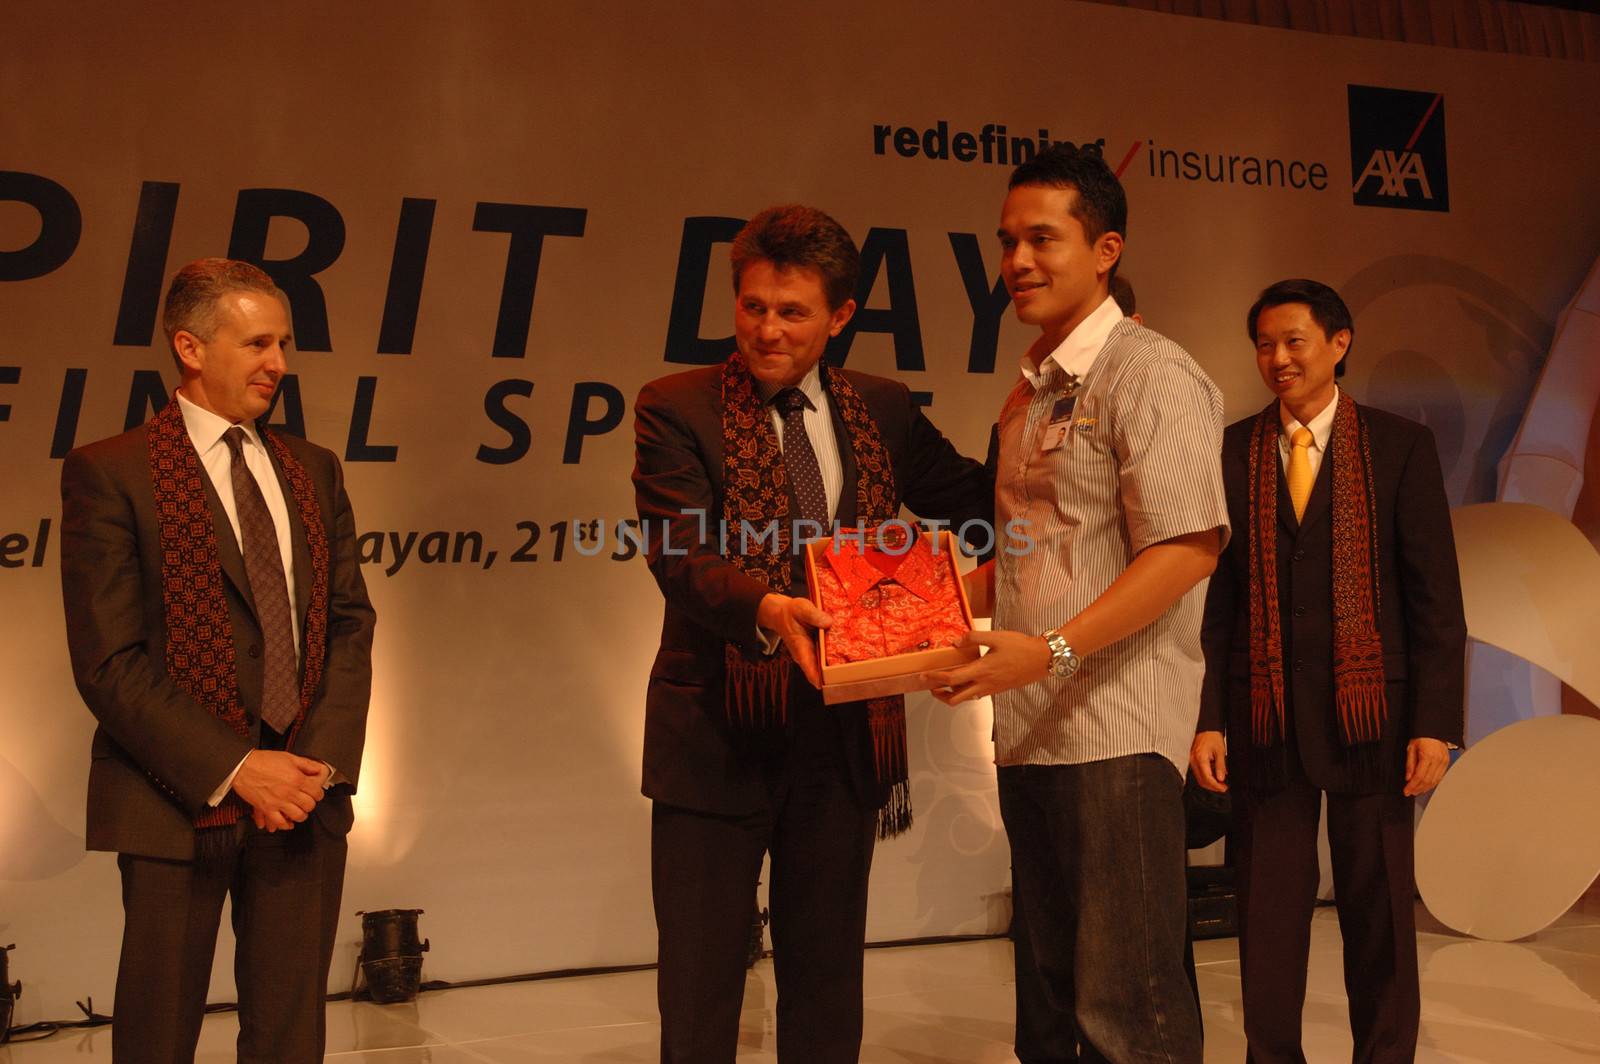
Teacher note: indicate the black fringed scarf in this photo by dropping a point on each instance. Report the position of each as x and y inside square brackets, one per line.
[755, 483]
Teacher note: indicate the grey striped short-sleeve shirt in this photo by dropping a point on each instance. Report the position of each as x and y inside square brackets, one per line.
[1140, 464]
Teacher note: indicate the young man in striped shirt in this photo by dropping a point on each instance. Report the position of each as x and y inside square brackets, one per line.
[1108, 450]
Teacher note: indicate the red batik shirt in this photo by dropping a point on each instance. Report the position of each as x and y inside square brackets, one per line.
[887, 603]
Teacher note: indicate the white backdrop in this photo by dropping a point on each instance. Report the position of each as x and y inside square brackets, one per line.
[501, 786]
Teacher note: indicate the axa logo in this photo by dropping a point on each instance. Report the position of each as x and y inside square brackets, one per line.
[1393, 171]
[1397, 150]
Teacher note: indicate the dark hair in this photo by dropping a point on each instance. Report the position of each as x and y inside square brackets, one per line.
[793, 236]
[1327, 310]
[1100, 206]
[1122, 292]
[191, 304]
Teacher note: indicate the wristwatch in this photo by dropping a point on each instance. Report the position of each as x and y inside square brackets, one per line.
[1063, 662]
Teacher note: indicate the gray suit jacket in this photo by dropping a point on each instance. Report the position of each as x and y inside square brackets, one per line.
[157, 754]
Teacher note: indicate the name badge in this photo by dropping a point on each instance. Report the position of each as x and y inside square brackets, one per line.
[1060, 424]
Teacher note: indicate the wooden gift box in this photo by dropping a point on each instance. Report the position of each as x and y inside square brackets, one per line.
[850, 681]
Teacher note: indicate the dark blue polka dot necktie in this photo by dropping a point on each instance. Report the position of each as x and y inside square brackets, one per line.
[800, 459]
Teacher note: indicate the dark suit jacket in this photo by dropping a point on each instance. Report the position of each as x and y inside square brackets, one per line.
[1420, 616]
[692, 758]
[116, 633]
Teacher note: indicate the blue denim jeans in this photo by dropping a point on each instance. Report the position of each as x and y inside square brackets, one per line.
[1098, 863]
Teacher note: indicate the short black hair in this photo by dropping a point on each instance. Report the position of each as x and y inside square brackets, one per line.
[1100, 206]
[1327, 310]
[794, 236]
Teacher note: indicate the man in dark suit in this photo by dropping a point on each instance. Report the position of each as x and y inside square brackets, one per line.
[220, 632]
[1335, 646]
[741, 757]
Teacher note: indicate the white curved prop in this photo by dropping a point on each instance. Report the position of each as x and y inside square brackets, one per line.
[1511, 838]
[1530, 581]
[1544, 463]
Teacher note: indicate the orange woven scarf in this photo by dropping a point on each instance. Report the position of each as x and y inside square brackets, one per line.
[1358, 678]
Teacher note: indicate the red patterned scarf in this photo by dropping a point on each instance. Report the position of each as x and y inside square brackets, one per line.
[1358, 678]
[755, 482]
[200, 647]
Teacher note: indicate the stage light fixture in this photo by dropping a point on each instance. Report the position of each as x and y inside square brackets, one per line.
[391, 955]
[9, 992]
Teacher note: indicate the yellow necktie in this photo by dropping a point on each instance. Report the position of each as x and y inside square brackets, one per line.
[1300, 470]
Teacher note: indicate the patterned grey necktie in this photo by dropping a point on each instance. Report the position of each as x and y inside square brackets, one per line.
[800, 459]
[263, 565]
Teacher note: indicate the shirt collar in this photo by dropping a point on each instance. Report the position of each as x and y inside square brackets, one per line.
[810, 386]
[1321, 425]
[207, 429]
[1076, 354]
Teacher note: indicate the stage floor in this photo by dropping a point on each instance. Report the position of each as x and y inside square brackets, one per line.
[1536, 1001]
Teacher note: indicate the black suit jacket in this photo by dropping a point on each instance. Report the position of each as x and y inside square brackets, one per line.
[692, 758]
[1420, 617]
[116, 634]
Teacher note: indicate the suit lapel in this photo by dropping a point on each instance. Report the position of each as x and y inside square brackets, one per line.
[227, 543]
[1286, 518]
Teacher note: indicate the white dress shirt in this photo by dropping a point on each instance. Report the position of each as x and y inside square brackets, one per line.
[819, 430]
[205, 432]
[1077, 352]
[818, 420]
[1321, 427]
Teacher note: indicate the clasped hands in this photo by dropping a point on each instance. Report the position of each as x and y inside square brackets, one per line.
[281, 788]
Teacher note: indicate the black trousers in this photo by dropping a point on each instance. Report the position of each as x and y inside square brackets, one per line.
[1098, 861]
[285, 888]
[704, 870]
[1046, 1033]
[1275, 858]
